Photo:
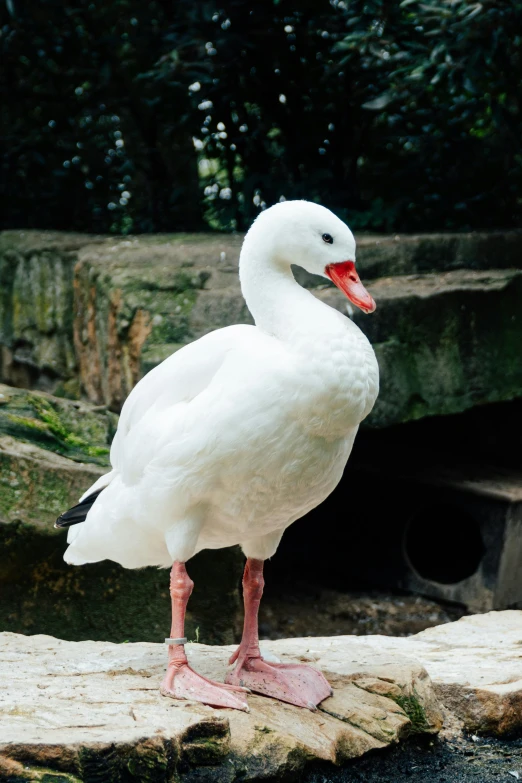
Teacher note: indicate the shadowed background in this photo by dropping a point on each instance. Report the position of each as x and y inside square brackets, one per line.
[122, 117]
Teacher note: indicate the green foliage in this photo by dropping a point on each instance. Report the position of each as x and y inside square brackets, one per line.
[415, 712]
[129, 117]
[275, 119]
[88, 143]
[442, 80]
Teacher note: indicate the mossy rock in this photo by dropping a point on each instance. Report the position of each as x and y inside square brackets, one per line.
[444, 343]
[36, 309]
[36, 485]
[72, 429]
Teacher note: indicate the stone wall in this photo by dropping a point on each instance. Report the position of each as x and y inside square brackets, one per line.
[89, 315]
[36, 309]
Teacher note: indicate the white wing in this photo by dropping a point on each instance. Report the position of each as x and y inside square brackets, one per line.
[178, 379]
[120, 524]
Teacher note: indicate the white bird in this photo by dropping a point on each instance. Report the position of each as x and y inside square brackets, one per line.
[237, 435]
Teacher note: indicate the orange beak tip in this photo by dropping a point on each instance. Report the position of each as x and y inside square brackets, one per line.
[345, 277]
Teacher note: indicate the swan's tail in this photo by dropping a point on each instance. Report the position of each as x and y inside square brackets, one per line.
[79, 512]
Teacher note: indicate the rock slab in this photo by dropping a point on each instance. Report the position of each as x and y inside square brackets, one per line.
[476, 668]
[92, 710]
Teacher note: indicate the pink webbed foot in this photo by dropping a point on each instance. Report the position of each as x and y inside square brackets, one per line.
[185, 683]
[294, 683]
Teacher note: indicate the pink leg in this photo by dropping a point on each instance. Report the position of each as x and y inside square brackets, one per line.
[294, 683]
[180, 681]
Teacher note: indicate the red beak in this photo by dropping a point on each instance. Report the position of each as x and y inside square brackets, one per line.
[347, 280]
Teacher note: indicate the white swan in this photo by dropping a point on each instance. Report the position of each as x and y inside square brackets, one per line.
[236, 436]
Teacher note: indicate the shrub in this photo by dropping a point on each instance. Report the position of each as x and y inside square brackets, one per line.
[125, 117]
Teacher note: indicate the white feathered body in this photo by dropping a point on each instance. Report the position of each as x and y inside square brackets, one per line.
[229, 441]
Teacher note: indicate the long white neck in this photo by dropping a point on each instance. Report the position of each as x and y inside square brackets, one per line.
[339, 374]
[279, 305]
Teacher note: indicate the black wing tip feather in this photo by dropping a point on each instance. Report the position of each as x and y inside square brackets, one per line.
[77, 513]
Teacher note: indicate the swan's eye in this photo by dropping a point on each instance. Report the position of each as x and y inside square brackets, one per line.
[328, 238]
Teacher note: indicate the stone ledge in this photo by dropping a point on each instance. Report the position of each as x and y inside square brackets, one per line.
[76, 706]
[92, 711]
[381, 254]
[51, 451]
[434, 333]
[476, 668]
[36, 485]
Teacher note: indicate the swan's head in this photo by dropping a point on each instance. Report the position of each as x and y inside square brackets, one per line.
[309, 235]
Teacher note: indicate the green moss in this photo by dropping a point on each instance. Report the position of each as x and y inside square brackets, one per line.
[153, 354]
[443, 354]
[97, 451]
[64, 428]
[69, 389]
[25, 421]
[34, 492]
[50, 417]
[36, 311]
[179, 282]
[57, 427]
[169, 312]
[149, 767]
[172, 322]
[206, 743]
[12, 771]
[52, 776]
[149, 761]
[415, 712]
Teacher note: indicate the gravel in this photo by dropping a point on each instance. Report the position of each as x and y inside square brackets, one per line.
[457, 759]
